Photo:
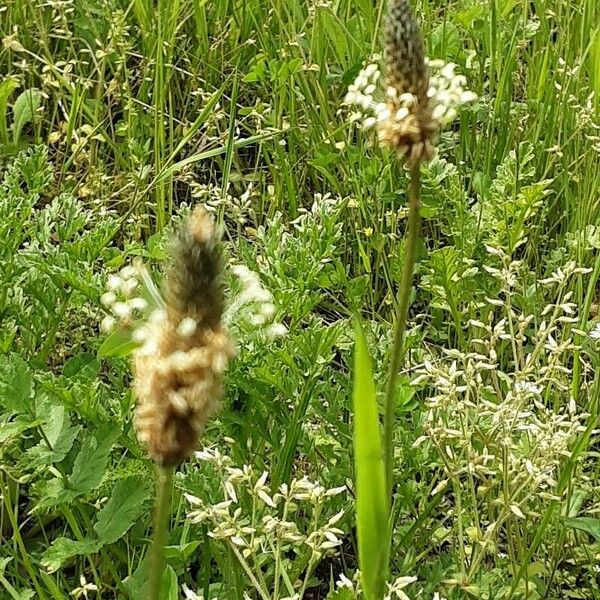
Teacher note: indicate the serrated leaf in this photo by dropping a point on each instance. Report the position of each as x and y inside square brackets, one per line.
[587, 524]
[26, 105]
[16, 384]
[123, 508]
[63, 549]
[59, 437]
[90, 464]
[372, 519]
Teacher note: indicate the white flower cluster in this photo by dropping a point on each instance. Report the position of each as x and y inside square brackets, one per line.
[120, 299]
[254, 521]
[501, 415]
[446, 94]
[447, 91]
[395, 589]
[253, 304]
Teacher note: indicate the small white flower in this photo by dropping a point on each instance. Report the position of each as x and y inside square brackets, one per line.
[84, 588]
[108, 299]
[114, 283]
[121, 310]
[137, 304]
[187, 327]
[108, 324]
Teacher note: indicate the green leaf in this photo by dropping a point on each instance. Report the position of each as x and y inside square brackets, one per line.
[342, 593]
[63, 549]
[587, 524]
[169, 588]
[7, 87]
[90, 464]
[117, 344]
[13, 429]
[182, 553]
[58, 439]
[26, 105]
[372, 520]
[83, 365]
[125, 505]
[16, 384]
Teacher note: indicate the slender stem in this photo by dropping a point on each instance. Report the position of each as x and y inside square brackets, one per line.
[255, 582]
[164, 482]
[398, 350]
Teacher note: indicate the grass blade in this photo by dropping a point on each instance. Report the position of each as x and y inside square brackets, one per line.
[372, 520]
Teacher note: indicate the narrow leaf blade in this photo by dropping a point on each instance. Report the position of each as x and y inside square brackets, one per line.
[372, 520]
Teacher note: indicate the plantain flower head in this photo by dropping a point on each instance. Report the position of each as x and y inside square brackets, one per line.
[419, 95]
[184, 347]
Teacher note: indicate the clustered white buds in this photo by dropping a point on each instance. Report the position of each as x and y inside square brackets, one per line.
[254, 304]
[270, 523]
[398, 118]
[120, 298]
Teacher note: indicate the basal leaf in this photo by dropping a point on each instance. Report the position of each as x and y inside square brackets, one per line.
[125, 505]
[90, 464]
[16, 384]
[372, 521]
[587, 524]
[26, 105]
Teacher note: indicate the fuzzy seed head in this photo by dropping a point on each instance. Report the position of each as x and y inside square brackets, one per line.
[419, 97]
[194, 288]
[179, 366]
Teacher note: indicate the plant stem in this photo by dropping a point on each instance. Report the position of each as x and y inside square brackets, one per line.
[164, 482]
[398, 350]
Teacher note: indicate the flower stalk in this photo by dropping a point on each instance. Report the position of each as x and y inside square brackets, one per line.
[418, 98]
[156, 563]
[399, 346]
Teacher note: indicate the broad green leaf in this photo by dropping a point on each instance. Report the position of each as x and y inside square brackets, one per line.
[63, 549]
[90, 464]
[372, 520]
[83, 365]
[16, 384]
[125, 505]
[182, 553]
[24, 110]
[587, 524]
[58, 440]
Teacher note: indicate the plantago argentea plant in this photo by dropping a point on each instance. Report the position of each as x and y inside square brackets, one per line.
[407, 116]
[178, 368]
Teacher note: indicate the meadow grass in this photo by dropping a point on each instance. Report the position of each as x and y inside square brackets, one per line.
[116, 116]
